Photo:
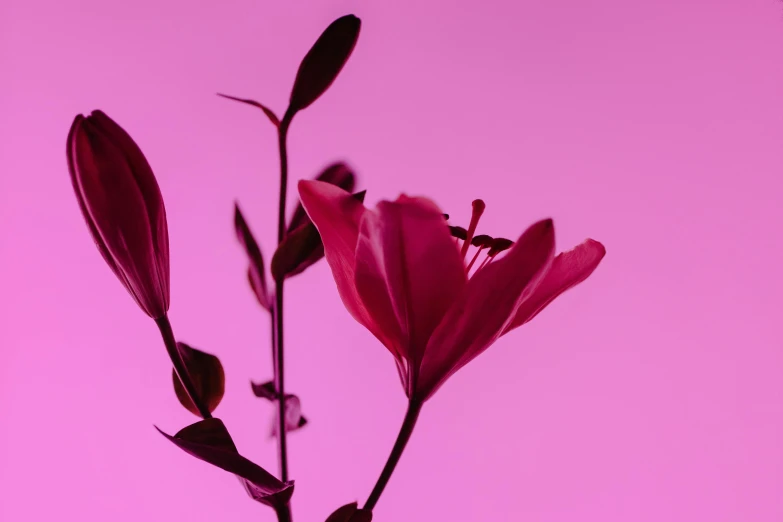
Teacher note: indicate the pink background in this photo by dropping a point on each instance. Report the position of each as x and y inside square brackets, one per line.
[651, 393]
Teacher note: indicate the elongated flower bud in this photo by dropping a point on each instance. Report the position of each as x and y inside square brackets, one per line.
[123, 207]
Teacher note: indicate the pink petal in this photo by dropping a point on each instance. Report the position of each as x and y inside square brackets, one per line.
[568, 270]
[336, 214]
[486, 306]
[408, 272]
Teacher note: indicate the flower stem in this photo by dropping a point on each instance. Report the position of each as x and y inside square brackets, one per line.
[411, 416]
[164, 325]
[282, 134]
[284, 512]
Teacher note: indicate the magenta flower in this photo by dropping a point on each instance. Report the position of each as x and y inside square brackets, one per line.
[402, 275]
[123, 207]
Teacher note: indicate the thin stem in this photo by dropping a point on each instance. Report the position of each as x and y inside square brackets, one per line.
[281, 432]
[179, 365]
[411, 416]
[284, 513]
[282, 446]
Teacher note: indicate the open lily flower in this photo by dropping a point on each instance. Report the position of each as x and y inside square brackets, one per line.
[402, 274]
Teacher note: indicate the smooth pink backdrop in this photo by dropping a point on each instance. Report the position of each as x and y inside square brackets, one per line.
[651, 393]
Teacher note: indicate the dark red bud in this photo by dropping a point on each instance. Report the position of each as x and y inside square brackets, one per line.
[122, 205]
[324, 61]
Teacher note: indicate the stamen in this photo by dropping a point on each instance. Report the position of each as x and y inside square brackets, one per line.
[446, 217]
[497, 246]
[481, 241]
[470, 265]
[478, 209]
[483, 263]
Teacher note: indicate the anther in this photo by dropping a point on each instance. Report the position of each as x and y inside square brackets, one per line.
[499, 245]
[458, 232]
[482, 241]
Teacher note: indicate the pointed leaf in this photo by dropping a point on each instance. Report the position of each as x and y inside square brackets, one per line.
[207, 375]
[324, 61]
[295, 250]
[338, 174]
[256, 275]
[265, 390]
[300, 249]
[293, 416]
[350, 513]
[209, 440]
[268, 112]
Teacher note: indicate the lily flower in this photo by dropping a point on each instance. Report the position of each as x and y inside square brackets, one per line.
[405, 275]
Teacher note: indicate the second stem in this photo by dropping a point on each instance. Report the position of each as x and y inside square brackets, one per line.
[282, 134]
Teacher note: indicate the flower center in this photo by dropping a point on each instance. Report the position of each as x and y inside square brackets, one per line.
[490, 246]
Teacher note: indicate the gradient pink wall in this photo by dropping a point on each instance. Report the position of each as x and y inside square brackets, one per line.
[651, 393]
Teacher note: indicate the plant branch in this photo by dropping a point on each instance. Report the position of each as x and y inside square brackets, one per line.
[408, 423]
[164, 325]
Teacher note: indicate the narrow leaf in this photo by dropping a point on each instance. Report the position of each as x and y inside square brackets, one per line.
[324, 61]
[207, 375]
[209, 440]
[294, 417]
[256, 275]
[265, 390]
[267, 111]
[295, 250]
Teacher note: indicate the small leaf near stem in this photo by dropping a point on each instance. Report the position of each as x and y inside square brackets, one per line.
[206, 372]
[164, 325]
[267, 111]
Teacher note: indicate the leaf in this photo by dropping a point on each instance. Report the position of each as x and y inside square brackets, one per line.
[256, 275]
[267, 111]
[324, 61]
[295, 250]
[350, 513]
[207, 375]
[294, 417]
[300, 249]
[266, 390]
[209, 440]
[338, 174]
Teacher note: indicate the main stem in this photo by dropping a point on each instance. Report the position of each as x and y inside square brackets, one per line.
[411, 416]
[164, 325]
[282, 134]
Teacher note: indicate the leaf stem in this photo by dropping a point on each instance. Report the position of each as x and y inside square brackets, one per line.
[164, 325]
[408, 423]
[282, 134]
